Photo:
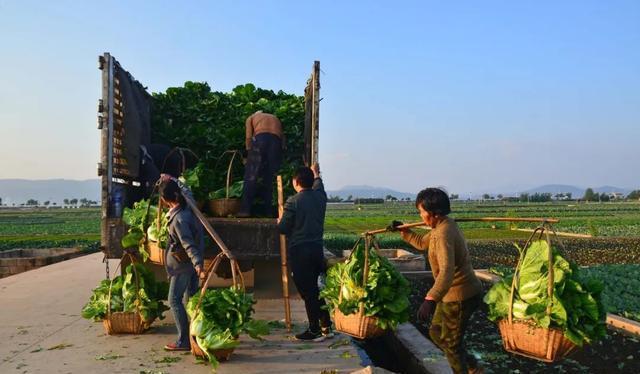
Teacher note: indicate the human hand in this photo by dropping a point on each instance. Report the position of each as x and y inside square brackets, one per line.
[316, 170]
[426, 310]
[165, 177]
[394, 226]
[200, 272]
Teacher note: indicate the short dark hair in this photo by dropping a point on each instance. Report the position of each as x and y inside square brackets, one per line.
[304, 177]
[434, 200]
[170, 191]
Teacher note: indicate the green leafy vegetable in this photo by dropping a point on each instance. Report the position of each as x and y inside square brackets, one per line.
[222, 316]
[385, 294]
[211, 122]
[135, 220]
[235, 192]
[124, 298]
[575, 307]
[200, 180]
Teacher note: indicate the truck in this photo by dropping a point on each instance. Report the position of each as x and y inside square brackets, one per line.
[124, 122]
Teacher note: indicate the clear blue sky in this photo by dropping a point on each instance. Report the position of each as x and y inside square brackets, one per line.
[473, 96]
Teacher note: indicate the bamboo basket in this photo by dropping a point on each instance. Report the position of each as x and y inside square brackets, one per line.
[157, 255]
[226, 206]
[125, 322]
[358, 324]
[522, 337]
[238, 281]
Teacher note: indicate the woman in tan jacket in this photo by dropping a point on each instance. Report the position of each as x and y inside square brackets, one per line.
[456, 293]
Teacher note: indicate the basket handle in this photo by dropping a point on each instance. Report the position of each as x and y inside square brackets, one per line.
[136, 277]
[233, 156]
[236, 274]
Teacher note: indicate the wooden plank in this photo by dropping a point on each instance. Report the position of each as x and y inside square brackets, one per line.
[623, 325]
[485, 276]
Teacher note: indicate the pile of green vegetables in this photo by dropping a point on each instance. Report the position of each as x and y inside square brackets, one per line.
[148, 300]
[135, 220]
[222, 316]
[211, 122]
[576, 306]
[385, 294]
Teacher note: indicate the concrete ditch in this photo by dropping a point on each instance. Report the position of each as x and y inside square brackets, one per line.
[16, 261]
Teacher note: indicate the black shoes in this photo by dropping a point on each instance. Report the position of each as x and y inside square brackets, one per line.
[311, 336]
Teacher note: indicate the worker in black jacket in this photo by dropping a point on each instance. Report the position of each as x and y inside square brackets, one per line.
[303, 224]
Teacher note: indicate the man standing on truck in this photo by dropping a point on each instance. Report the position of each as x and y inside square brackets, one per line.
[303, 223]
[264, 143]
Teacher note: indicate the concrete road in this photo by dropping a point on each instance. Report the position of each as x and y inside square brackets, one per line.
[41, 331]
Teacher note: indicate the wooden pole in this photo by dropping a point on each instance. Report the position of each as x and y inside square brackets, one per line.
[207, 226]
[479, 219]
[283, 259]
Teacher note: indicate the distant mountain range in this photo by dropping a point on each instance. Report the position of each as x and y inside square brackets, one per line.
[18, 191]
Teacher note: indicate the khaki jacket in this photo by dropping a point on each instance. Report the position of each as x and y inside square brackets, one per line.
[448, 257]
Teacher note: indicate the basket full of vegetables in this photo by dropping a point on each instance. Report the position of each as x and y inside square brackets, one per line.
[147, 231]
[366, 294]
[545, 309]
[128, 303]
[219, 316]
[226, 201]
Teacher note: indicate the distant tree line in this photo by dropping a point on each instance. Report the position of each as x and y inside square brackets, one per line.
[67, 202]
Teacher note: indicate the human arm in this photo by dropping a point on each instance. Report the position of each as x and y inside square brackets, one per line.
[418, 241]
[317, 180]
[285, 223]
[445, 255]
[248, 132]
[185, 233]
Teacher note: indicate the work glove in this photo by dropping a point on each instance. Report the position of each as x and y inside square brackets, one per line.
[426, 310]
[394, 225]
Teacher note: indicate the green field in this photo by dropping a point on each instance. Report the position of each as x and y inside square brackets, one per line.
[60, 227]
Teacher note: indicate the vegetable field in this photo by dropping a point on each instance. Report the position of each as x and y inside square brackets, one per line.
[43, 228]
[48, 228]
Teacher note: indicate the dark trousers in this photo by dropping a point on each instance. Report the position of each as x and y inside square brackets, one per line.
[307, 263]
[263, 161]
[447, 331]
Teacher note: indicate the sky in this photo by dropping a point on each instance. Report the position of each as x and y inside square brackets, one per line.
[471, 96]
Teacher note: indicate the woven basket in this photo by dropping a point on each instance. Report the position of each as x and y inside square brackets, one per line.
[224, 207]
[125, 322]
[522, 338]
[525, 339]
[220, 354]
[357, 324]
[238, 281]
[157, 255]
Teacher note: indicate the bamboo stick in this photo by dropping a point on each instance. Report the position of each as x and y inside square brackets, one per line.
[207, 226]
[283, 259]
[479, 219]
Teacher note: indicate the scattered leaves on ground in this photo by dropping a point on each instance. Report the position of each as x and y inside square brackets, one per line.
[59, 346]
